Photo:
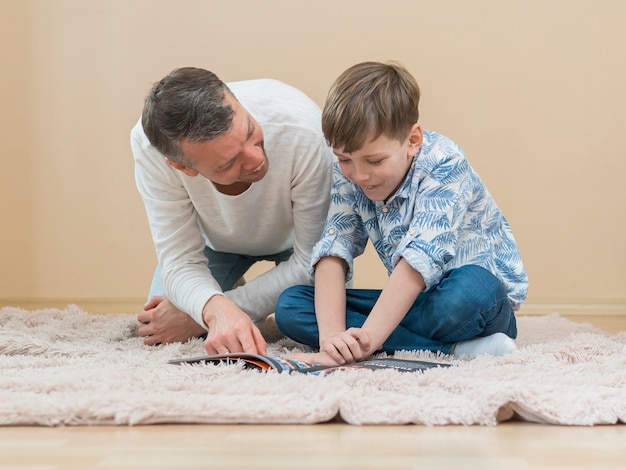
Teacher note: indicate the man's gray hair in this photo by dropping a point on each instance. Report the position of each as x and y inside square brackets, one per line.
[186, 104]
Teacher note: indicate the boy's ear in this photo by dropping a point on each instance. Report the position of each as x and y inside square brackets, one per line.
[415, 139]
[183, 168]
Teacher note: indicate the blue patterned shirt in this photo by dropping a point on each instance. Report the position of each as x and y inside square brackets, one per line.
[442, 217]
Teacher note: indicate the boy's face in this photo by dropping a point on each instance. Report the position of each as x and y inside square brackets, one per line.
[380, 166]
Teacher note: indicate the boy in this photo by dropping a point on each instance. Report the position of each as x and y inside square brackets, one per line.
[455, 272]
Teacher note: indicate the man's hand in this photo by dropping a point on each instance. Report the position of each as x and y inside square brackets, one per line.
[164, 323]
[230, 329]
[351, 345]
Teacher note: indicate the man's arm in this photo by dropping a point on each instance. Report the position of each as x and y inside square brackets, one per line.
[179, 244]
[173, 223]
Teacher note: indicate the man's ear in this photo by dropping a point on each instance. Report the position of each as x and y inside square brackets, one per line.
[183, 168]
[415, 139]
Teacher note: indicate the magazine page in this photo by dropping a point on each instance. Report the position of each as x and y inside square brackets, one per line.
[268, 363]
[253, 361]
[401, 365]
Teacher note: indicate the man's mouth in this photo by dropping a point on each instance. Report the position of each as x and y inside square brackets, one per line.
[255, 170]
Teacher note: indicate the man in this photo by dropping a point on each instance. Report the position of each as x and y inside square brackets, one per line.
[229, 175]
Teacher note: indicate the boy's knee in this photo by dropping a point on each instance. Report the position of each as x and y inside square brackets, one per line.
[295, 314]
[491, 299]
[292, 295]
[292, 300]
[482, 283]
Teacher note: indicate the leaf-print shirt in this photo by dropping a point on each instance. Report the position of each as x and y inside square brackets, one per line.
[442, 217]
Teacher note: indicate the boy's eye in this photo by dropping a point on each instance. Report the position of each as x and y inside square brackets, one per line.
[375, 162]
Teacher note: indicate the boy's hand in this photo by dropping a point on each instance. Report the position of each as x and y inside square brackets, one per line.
[351, 345]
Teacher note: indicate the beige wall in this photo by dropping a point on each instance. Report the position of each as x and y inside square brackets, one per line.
[532, 90]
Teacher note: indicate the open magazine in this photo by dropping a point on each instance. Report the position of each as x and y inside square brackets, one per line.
[269, 363]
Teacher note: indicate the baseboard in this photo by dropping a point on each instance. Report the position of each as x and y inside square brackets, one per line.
[134, 305]
[617, 308]
[91, 305]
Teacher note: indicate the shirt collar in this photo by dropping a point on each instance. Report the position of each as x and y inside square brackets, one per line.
[404, 190]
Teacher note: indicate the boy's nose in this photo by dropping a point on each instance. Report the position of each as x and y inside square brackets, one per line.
[359, 175]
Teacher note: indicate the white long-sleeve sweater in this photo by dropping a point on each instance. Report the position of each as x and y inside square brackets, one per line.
[287, 208]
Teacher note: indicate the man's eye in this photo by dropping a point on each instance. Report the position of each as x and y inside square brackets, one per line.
[224, 169]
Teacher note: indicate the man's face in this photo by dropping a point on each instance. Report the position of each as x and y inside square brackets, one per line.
[237, 156]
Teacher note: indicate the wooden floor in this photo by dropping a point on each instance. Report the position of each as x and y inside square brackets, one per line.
[510, 446]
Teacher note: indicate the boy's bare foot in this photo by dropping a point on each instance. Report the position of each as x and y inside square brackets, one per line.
[321, 357]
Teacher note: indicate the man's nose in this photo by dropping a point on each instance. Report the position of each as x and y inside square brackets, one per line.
[254, 155]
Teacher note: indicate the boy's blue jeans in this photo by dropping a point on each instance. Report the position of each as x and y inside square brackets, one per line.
[468, 302]
[226, 268]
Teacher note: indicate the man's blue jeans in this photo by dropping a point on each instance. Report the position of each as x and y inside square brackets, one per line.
[226, 268]
[468, 302]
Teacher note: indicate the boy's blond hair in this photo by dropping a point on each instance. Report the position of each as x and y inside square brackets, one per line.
[368, 100]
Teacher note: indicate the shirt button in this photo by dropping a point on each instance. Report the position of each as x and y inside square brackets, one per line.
[412, 231]
[331, 231]
[385, 209]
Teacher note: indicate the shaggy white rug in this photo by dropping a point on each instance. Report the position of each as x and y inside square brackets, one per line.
[69, 367]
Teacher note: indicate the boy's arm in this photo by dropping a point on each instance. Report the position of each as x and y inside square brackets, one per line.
[339, 344]
[330, 297]
[399, 294]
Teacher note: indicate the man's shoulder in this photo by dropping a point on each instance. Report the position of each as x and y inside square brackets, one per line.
[257, 83]
[265, 87]
[138, 137]
[137, 129]
[284, 112]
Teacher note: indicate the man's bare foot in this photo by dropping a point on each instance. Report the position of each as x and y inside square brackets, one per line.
[163, 323]
[269, 330]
